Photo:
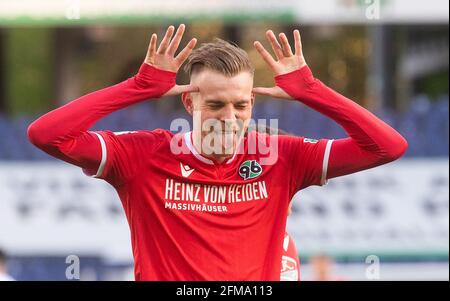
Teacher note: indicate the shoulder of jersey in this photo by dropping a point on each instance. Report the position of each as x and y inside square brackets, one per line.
[162, 133]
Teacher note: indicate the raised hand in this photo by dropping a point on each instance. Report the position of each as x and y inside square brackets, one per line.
[164, 57]
[285, 62]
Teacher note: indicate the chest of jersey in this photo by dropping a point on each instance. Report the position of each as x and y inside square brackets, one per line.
[185, 184]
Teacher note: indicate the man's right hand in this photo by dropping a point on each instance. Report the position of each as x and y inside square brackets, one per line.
[164, 57]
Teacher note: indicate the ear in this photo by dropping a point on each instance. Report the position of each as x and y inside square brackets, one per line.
[186, 98]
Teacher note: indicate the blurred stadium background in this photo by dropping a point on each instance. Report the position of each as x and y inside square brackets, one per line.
[391, 56]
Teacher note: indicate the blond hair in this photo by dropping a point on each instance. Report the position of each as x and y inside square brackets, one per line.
[221, 56]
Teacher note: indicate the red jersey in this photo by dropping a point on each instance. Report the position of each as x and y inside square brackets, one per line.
[194, 219]
[290, 262]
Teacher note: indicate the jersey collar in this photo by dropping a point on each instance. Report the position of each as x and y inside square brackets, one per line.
[190, 146]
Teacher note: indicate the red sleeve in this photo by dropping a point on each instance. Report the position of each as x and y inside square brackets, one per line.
[63, 133]
[371, 143]
[308, 160]
[123, 153]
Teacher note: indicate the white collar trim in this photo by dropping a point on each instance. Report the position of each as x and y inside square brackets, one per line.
[188, 141]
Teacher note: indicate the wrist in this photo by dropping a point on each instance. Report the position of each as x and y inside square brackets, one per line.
[297, 82]
[301, 76]
[150, 73]
[155, 82]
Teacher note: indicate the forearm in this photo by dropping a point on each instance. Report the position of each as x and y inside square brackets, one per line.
[76, 117]
[63, 133]
[372, 142]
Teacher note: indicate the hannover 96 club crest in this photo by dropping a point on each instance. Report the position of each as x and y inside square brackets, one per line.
[250, 169]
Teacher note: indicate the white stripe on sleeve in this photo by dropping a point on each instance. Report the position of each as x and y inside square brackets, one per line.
[103, 161]
[326, 157]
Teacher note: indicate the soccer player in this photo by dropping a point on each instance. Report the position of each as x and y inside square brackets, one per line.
[199, 209]
[290, 262]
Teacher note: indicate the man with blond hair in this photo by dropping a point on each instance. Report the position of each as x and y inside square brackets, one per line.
[211, 204]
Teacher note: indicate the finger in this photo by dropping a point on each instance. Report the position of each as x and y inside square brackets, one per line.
[275, 92]
[166, 40]
[183, 55]
[275, 45]
[287, 51]
[180, 89]
[187, 88]
[264, 91]
[298, 42]
[173, 46]
[151, 49]
[267, 57]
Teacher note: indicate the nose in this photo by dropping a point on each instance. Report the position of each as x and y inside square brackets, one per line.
[228, 118]
[228, 113]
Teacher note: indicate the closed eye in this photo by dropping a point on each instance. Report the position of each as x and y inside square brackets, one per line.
[214, 104]
[241, 105]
